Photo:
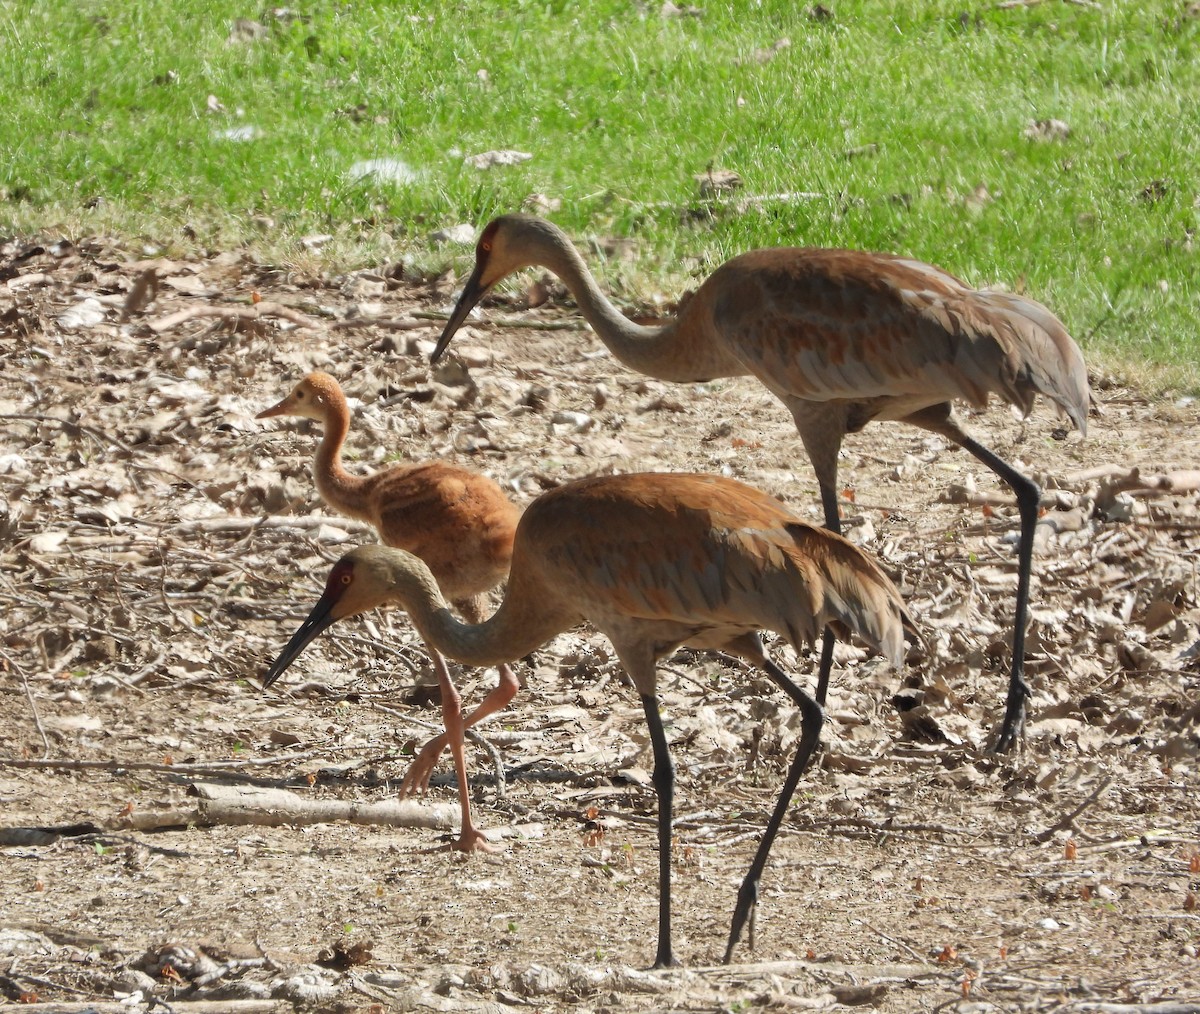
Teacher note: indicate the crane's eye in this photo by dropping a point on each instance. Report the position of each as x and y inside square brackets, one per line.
[486, 246]
[346, 579]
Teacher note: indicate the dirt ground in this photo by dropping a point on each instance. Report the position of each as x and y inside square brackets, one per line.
[160, 545]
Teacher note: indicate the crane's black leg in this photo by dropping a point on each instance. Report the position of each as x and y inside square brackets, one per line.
[833, 522]
[664, 786]
[1028, 499]
[813, 718]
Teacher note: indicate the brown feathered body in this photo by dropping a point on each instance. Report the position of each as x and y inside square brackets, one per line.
[653, 561]
[841, 337]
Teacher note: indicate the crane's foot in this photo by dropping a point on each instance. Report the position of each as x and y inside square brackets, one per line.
[416, 778]
[743, 914]
[469, 840]
[665, 959]
[1013, 726]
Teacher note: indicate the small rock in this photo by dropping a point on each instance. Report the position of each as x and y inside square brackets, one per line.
[385, 170]
[488, 159]
[454, 234]
[577, 422]
[311, 986]
[86, 314]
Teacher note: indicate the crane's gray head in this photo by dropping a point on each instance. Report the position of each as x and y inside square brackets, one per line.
[507, 244]
[363, 579]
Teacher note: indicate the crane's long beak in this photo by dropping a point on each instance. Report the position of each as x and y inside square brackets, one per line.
[320, 618]
[472, 293]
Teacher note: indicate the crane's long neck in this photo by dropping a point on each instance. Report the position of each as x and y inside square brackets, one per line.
[684, 349]
[526, 619]
[338, 488]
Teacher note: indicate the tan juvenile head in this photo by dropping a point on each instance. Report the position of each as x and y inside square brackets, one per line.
[312, 398]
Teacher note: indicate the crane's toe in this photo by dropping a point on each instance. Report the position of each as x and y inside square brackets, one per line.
[416, 779]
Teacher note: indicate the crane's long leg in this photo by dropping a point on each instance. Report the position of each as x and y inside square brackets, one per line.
[1028, 498]
[416, 780]
[833, 522]
[664, 786]
[813, 718]
[470, 838]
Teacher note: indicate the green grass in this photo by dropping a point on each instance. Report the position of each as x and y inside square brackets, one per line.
[106, 127]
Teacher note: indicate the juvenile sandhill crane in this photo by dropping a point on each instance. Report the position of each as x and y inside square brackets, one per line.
[653, 561]
[842, 338]
[459, 522]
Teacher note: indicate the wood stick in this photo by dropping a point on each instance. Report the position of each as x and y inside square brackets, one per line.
[388, 324]
[254, 312]
[265, 807]
[236, 524]
[1069, 819]
[179, 1006]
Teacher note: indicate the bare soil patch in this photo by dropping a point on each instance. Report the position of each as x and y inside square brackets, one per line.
[158, 546]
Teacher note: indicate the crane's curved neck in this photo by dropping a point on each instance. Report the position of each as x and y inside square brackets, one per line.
[684, 349]
[524, 622]
[338, 488]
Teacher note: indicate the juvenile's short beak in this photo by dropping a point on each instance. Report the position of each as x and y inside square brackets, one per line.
[472, 293]
[320, 618]
[279, 409]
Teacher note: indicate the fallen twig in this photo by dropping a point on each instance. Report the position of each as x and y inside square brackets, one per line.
[387, 324]
[1131, 481]
[195, 767]
[239, 525]
[268, 807]
[178, 1006]
[9, 663]
[1068, 820]
[510, 322]
[255, 311]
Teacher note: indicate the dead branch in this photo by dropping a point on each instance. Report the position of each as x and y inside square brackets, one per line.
[212, 526]
[387, 324]
[264, 807]
[1069, 819]
[68, 425]
[195, 768]
[179, 1006]
[507, 322]
[224, 314]
[1093, 1007]
[10, 663]
[1186, 480]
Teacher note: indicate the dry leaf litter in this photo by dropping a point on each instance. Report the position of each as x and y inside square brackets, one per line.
[160, 546]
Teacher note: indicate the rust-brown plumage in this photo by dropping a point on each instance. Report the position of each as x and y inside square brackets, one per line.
[652, 561]
[842, 338]
[459, 522]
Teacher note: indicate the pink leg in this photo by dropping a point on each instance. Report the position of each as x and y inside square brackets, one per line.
[419, 771]
[470, 838]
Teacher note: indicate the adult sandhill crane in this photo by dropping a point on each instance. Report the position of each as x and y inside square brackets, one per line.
[653, 561]
[842, 338]
[459, 522]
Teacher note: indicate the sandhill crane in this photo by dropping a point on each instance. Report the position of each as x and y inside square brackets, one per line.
[842, 338]
[653, 561]
[459, 522]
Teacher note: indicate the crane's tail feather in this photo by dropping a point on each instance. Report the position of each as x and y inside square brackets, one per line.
[1049, 361]
[850, 589]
